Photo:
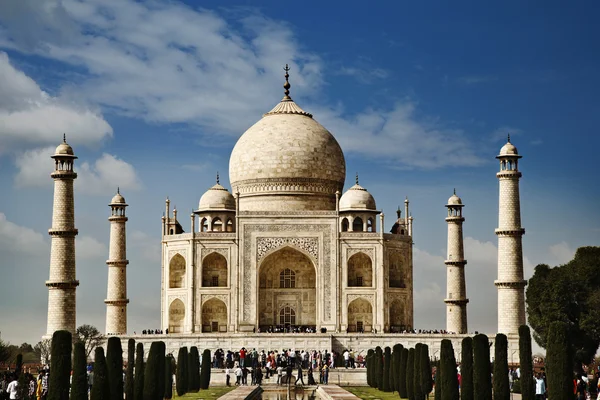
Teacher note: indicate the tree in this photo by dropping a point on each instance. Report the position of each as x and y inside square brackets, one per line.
[152, 376]
[466, 370]
[100, 388]
[448, 367]
[418, 393]
[205, 371]
[5, 352]
[181, 379]
[402, 391]
[438, 383]
[138, 389]
[387, 358]
[58, 386]
[194, 369]
[482, 384]
[41, 350]
[114, 364]
[568, 293]
[559, 362]
[501, 385]
[161, 370]
[169, 377]
[91, 338]
[396, 358]
[369, 364]
[379, 367]
[79, 384]
[426, 379]
[410, 372]
[527, 384]
[129, 378]
[19, 364]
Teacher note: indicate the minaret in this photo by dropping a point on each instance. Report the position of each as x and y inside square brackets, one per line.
[456, 296]
[116, 297]
[510, 283]
[62, 282]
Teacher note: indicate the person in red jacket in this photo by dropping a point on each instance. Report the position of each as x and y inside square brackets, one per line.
[243, 357]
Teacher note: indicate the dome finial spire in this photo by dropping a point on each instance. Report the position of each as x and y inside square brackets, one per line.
[454, 191]
[218, 183]
[118, 190]
[287, 85]
[357, 178]
[64, 138]
[509, 138]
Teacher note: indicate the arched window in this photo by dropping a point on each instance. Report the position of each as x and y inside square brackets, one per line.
[370, 225]
[204, 225]
[360, 270]
[176, 271]
[176, 316]
[345, 225]
[229, 225]
[214, 270]
[357, 224]
[287, 316]
[217, 225]
[287, 279]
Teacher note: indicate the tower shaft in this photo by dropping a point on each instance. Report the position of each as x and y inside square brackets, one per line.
[510, 282]
[456, 291]
[62, 281]
[116, 297]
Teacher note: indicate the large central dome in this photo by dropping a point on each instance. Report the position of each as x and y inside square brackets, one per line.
[287, 161]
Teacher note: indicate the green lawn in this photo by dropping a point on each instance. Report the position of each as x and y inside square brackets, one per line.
[209, 394]
[365, 392]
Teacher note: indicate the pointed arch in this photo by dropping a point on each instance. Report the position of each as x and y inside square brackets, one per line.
[216, 225]
[371, 224]
[214, 316]
[176, 316]
[229, 225]
[345, 225]
[204, 225]
[360, 270]
[360, 315]
[176, 271]
[214, 270]
[357, 224]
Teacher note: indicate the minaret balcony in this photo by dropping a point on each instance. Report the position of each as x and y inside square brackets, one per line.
[62, 285]
[510, 232]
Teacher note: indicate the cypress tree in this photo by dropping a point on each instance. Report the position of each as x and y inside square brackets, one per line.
[79, 385]
[379, 367]
[402, 391]
[205, 371]
[418, 393]
[194, 369]
[392, 375]
[482, 384]
[387, 362]
[152, 374]
[526, 360]
[466, 370]
[129, 379]
[501, 385]
[448, 367]
[114, 364]
[438, 383]
[138, 388]
[169, 377]
[396, 358]
[19, 365]
[370, 358]
[182, 374]
[161, 369]
[100, 388]
[60, 365]
[426, 379]
[410, 372]
[559, 362]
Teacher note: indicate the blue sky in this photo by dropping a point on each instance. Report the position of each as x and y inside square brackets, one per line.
[153, 95]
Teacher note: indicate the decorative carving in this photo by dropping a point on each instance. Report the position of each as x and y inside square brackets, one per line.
[181, 252]
[266, 244]
[223, 297]
[324, 264]
[369, 297]
[173, 297]
[368, 251]
[207, 250]
[287, 213]
[294, 185]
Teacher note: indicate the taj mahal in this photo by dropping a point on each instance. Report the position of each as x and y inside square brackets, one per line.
[287, 248]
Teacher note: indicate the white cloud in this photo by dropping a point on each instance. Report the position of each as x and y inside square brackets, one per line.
[17, 239]
[145, 245]
[90, 248]
[98, 178]
[105, 175]
[561, 253]
[169, 63]
[30, 117]
[476, 79]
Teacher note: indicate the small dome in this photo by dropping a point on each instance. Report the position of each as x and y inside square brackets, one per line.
[357, 197]
[64, 149]
[217, 198]
[118, 199]
[454, 200]
[509, 149]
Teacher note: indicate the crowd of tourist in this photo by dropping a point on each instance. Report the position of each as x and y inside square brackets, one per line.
[11, 387]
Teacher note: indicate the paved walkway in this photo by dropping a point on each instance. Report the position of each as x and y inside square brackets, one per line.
[334, 392]
[242, 392]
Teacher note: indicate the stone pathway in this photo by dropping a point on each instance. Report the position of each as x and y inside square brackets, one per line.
[334, 392]
[242, 392]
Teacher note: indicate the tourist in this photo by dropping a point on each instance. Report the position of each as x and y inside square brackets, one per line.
[325, 371]
[279, 374]
[13, 388]
[299, 377]
[238, 376]
[242, 357]
[540, 387]
[347, 358]
[227, 372]
[311, 378]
